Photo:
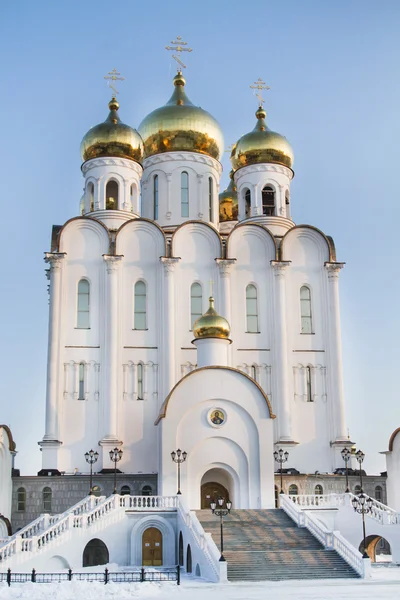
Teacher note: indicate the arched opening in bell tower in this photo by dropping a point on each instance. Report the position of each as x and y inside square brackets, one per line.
[268, 201]
[112, 195]
[216, 483]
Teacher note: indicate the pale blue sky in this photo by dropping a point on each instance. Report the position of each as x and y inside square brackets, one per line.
[335, 94]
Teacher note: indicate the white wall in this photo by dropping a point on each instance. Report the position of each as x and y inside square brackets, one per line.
[393, 471]
[6, 463]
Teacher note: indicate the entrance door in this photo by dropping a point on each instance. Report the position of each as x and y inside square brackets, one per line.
[212, 491]
[152, 547]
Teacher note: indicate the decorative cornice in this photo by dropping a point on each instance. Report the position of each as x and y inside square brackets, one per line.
[263, 168]
[169, 263]
[333, 269]
[111, 162]
[225, 265]
[112, 262]
[158, 159]
[54, 259]
[280, 266]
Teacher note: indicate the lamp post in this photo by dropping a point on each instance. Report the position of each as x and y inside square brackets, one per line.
[115, 455]
[360, 457]
[91, 457]
[346, 454]
[221, 513]
[281, 457]
[179, 457]
[362, 504]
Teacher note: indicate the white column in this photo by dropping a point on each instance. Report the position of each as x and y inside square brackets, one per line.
[199, 197]
[110, 395]
[281, 367]
[257, 202]
[169, 214]
[55, 261]
[225, 266]
[169, 375]
[335, 370]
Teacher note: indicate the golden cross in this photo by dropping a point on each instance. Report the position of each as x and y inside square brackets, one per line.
[211, 286]
[113, 76]
[179, 47]
[260, 85]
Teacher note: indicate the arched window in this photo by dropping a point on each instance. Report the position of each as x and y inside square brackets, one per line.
[133, 197]
[184, 194]
[188, 559]
[309, 385]
[357, 489]
[305, 307]
[210, 198]
[251, 309]
[378, 493]
[293, 490]
[96, 491]
[287, 202]
[125, 490]
[155, 196]
[21, 499]
[140, 305]
[47, 497]
[82, 321]
[81, 382]
[268, 201]
[140, 381]
[112, 195]
[91, 196]
[247, 203]
[147, 490]
[196, 303]
[318, 490]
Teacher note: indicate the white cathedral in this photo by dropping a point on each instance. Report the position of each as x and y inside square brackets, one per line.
[144, 358]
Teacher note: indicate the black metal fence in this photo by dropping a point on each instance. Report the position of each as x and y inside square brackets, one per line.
[137, 576]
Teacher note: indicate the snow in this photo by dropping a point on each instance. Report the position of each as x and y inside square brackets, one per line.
[384, 585]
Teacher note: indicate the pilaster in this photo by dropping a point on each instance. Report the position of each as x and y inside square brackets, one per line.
[169, 375]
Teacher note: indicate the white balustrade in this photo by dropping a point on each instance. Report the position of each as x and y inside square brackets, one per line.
[149, 503]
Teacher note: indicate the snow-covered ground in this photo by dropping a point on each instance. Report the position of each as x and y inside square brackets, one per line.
[384, 585]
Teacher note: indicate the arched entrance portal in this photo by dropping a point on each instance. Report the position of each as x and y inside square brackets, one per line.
[152, 547]
[214, 484]
[95, 553]
[378, 549]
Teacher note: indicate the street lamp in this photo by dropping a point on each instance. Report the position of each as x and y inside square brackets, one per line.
[179, 457]
[115, 455]
[91, 457]
[281, 457]
[221, 513]
[360, 457]
[362, 504]
[346, 454]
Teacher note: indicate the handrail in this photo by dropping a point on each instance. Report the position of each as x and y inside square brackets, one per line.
[332, 540]
[149, 502]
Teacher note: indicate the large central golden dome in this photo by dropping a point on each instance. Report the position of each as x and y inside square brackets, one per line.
[180, 126]
[262, 145]
[112, 138]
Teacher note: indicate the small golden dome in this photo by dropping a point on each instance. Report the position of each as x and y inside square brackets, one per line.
[211, 324]
[180, 126]
[261, 146]
[112, 138]
[228, 202]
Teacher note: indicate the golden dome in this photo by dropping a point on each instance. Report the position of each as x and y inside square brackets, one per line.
[180, 126]
[228, 202]
[112, 138]
[261, 146]
[211, 324]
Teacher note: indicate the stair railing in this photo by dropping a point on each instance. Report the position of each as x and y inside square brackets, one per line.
[147, 503]
[331, 540]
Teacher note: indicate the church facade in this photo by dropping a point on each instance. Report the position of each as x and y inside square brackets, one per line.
[184, 318]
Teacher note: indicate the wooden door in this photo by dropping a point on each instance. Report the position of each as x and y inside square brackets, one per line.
[152, 547]
[212, 491]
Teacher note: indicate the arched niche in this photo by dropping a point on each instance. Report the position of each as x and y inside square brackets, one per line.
[95, 553]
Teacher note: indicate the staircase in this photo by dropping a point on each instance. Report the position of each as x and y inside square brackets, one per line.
[268, 545]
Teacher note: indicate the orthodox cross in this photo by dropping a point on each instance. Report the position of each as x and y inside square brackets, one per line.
[178, 47]
[260, 85]
[113, 76]
[211, 282]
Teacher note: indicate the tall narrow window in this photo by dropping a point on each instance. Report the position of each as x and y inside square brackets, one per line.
[133, 198]
[184, 194]
[196, 303]
[140, 381]
[21, 499]
[155, 197]
[47, 497]
[268, 201]
[247, 203]
[309, 385]
[210, 198]
[140, 305]
[305, 306]
[91, 196]
[378, 493]
[81, 382]
[318, 490]
[251, 309]
[82, 321]
[112, 195]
